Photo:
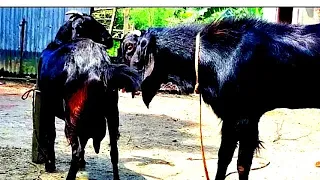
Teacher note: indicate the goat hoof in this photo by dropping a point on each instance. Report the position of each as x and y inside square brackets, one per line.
[116, 177]
[70, 178]
[50, 167]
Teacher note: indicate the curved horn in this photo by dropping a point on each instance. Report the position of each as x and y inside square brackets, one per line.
[74, 12]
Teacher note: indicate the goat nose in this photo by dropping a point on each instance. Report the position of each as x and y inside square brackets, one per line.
[134, 63]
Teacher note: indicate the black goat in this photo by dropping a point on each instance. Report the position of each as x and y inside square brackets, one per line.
[77, 84]
[247, 67]
[87, 83]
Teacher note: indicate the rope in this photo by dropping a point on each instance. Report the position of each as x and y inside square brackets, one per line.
[26, 94]
[200, 99]
[257, 168]
[197, 91]
[197, 52]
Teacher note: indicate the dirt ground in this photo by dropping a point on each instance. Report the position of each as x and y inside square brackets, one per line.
[161, 142]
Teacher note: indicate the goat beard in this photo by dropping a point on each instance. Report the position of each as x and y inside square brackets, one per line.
[149, 88]
[146, 72]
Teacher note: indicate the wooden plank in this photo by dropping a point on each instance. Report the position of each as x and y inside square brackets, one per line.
[126, 21]
[117, 30]
[18, 78]
[112, 19]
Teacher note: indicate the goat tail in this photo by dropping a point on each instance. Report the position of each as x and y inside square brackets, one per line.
[118, 76]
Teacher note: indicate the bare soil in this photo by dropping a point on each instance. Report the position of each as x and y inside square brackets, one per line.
[161, 142]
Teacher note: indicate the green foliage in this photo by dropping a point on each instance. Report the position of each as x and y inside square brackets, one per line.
[119, 19]
[143, 18]
[113, 51]
[206, 15]
[230, 12]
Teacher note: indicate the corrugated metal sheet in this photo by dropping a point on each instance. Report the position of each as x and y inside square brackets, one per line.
[42, 24]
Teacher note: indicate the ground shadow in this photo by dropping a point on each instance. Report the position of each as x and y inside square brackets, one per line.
[152, 131]
[139, 131]
[16, 164]
[97, 167]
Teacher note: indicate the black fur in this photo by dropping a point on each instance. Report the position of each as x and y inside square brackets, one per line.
[82, 26]
[247, 67]
[68, 66]
[79, 64]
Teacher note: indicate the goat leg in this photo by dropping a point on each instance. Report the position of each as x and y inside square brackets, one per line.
[249, 141]
[226, 150]
[82, 162]
[76, 151]
[112, 117]
[114, 154]
[113, 128]
[48, 135]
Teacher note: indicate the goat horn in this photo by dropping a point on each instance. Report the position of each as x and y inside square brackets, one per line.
[74, 12]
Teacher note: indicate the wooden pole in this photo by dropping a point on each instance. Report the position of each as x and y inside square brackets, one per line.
[37, 156]
[114, 11]
[23, 24]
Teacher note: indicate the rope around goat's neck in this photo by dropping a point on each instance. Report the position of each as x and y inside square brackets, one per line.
[197, 51]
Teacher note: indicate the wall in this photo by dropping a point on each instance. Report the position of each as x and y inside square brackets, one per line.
[41, 26]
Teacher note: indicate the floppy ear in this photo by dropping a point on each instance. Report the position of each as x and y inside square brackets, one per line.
[122, 76]
[76, 29]
[76, 22]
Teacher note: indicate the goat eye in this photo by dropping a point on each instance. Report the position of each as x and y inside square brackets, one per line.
[143, 43]
[129, 47]
[78, 27]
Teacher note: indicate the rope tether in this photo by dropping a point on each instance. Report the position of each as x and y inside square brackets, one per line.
[198, 92]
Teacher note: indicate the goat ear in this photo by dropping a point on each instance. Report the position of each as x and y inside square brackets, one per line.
[74, 34]
[142, 32]
[76, 28]
[122, 76]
